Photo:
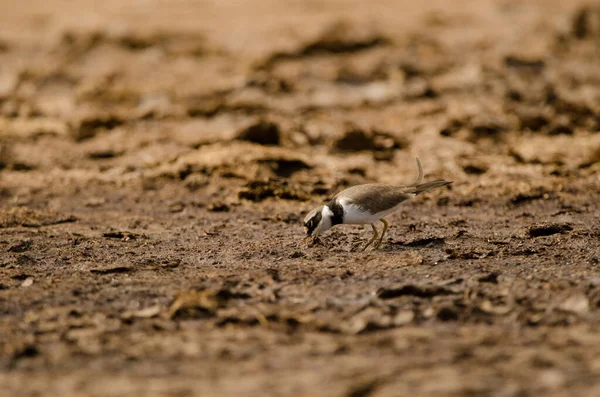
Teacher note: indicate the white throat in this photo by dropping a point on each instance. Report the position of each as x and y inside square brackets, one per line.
[325, 224]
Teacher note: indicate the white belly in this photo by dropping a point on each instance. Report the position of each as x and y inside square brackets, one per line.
[354, 215]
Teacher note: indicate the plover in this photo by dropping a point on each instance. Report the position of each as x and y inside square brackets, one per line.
[366, 204]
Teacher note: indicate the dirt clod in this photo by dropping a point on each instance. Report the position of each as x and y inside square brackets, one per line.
[586, 22]
[425, 242]
[357, 139]
[27, 351]
[20, 246]
[218, 207]
[490, 278]
[89, 126]
[263, 133]
[548, 229]
[201, 304]
[259, 190]
[125, 236]
[26, 217]
[111, 269]
[532, 64]
[421, 291]
[448, 313]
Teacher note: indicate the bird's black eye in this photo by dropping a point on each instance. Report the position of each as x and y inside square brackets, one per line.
[309, 227]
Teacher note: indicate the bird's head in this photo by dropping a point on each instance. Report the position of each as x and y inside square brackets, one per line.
[317, 221]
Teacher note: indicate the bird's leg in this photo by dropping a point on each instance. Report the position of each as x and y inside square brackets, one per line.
[385, 228]
[375, 235]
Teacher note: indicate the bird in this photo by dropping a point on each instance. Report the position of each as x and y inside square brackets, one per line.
[366, 205]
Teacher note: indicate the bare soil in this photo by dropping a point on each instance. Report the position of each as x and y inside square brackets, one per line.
[157, 159]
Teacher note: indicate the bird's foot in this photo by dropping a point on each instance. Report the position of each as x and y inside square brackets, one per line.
[312, 241]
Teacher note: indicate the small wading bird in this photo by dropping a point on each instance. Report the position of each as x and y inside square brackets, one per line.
[366, 204]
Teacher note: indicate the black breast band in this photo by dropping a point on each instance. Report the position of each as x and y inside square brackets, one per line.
[338, 212]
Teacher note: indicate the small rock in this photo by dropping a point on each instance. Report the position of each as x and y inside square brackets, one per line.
[488, 307]
[403, 317]
[148, 312]
[28, 282]
[575, 304]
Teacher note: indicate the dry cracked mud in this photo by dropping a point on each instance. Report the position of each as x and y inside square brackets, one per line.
[157, 159]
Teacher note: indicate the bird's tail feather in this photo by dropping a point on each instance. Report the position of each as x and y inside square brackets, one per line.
[423, 187]
[419, 178]
[417, 187]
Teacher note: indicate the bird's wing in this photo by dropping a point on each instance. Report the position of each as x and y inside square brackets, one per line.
[376, 197]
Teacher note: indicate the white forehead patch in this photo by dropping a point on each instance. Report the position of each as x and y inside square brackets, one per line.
[311, 214]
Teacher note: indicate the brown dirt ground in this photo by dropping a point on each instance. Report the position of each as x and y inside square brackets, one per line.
[157, 158]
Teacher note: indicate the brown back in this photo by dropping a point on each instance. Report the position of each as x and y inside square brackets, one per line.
[376, 197]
